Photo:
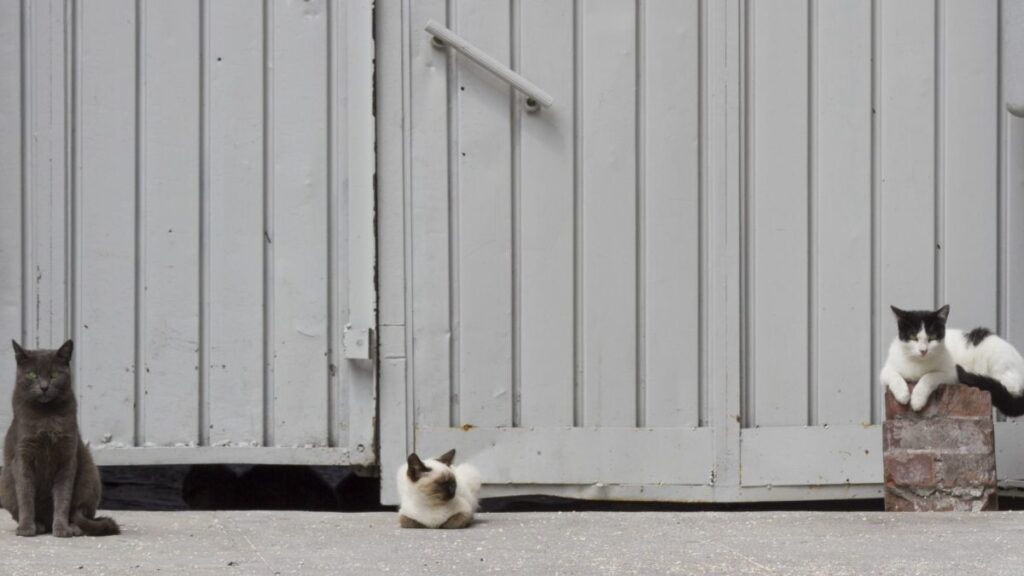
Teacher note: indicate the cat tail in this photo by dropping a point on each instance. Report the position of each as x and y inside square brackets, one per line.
[98, 526]
[1006, 403]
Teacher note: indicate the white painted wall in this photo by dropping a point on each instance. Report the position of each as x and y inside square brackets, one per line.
[187, 192]
[671, 285]
[674, 283]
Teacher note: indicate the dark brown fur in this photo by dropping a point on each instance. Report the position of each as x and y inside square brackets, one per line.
[441, 487]
[49, 479]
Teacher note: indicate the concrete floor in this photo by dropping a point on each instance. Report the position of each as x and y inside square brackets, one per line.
[791, 543]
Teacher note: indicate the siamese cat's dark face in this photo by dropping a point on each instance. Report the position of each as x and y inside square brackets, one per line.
[44, 376]
[435, 478]
[921, 331]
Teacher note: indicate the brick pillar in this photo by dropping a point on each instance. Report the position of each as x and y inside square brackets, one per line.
[942, 458]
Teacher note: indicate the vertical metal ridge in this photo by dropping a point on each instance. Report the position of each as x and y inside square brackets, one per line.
[748, 389]
[26, 165]
[268, 223]
[517, 252]
[408, 224]
[1002, 217]
[876, 209]
[577, 193]
[640, 223]
[71, 172]
[69, 145]
[702, 219]
[140, 227]
[939, 154]
[454, 242]
[74, 190]
[204, 225]
[332, 234]
[812, 216]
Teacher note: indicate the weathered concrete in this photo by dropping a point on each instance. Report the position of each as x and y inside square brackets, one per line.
[197, 543]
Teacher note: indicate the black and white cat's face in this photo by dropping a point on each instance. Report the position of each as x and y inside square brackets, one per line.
[44, 376]
[921, 331]
[434, 479]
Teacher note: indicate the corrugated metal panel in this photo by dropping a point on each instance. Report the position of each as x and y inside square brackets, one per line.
[556, 258]
[873, 179]
[192, 177]
[571, 271]
[533, 216]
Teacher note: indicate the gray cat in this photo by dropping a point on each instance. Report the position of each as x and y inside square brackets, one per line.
[49, 478]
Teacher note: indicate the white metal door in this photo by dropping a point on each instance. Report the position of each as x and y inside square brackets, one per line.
[557, 261]
[673, 283]
[876, 173]
[188, 193]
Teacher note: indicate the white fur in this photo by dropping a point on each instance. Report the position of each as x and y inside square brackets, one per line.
[432, 515]
[933, 364]
[992, 357]
[931, 369]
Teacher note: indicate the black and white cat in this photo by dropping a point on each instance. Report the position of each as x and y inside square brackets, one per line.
[927, 352]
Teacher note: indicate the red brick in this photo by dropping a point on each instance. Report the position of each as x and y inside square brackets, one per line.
[906, 500]
[939, 435]
[894, 409]
[953, 401]
[896, 502]
[967, 470]
[908, 469]
[940, 504]
[942, 458]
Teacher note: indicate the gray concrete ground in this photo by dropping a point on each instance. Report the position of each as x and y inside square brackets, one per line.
[795, 543]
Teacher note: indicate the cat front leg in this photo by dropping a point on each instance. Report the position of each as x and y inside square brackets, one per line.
[63, 488]
[460, 520]
[24, 486]
[896, 384]
[926, 385]
[406, 522]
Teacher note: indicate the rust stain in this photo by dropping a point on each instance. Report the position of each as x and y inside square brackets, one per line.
[467, 427]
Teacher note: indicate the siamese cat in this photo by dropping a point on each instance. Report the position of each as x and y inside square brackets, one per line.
[932, 355]
[436, 494]
[49, 481]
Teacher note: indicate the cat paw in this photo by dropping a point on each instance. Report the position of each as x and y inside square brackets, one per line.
[66, 531]
[918, 402]
[902, 396]
[27, 531]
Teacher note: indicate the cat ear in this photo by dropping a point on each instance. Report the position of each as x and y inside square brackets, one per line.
[64, 353]
[416, 467]
[943, 312]
[19, 353]
[899, 313]
[447, 458]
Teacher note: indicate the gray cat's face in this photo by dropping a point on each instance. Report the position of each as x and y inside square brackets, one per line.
[435, 479]
[44, 376]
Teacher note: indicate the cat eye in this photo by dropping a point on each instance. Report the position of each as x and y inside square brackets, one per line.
[32, 376]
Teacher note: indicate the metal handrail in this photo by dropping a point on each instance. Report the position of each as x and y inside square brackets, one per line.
[448, 38]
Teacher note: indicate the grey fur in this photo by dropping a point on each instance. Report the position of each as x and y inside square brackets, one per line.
[49, 480]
